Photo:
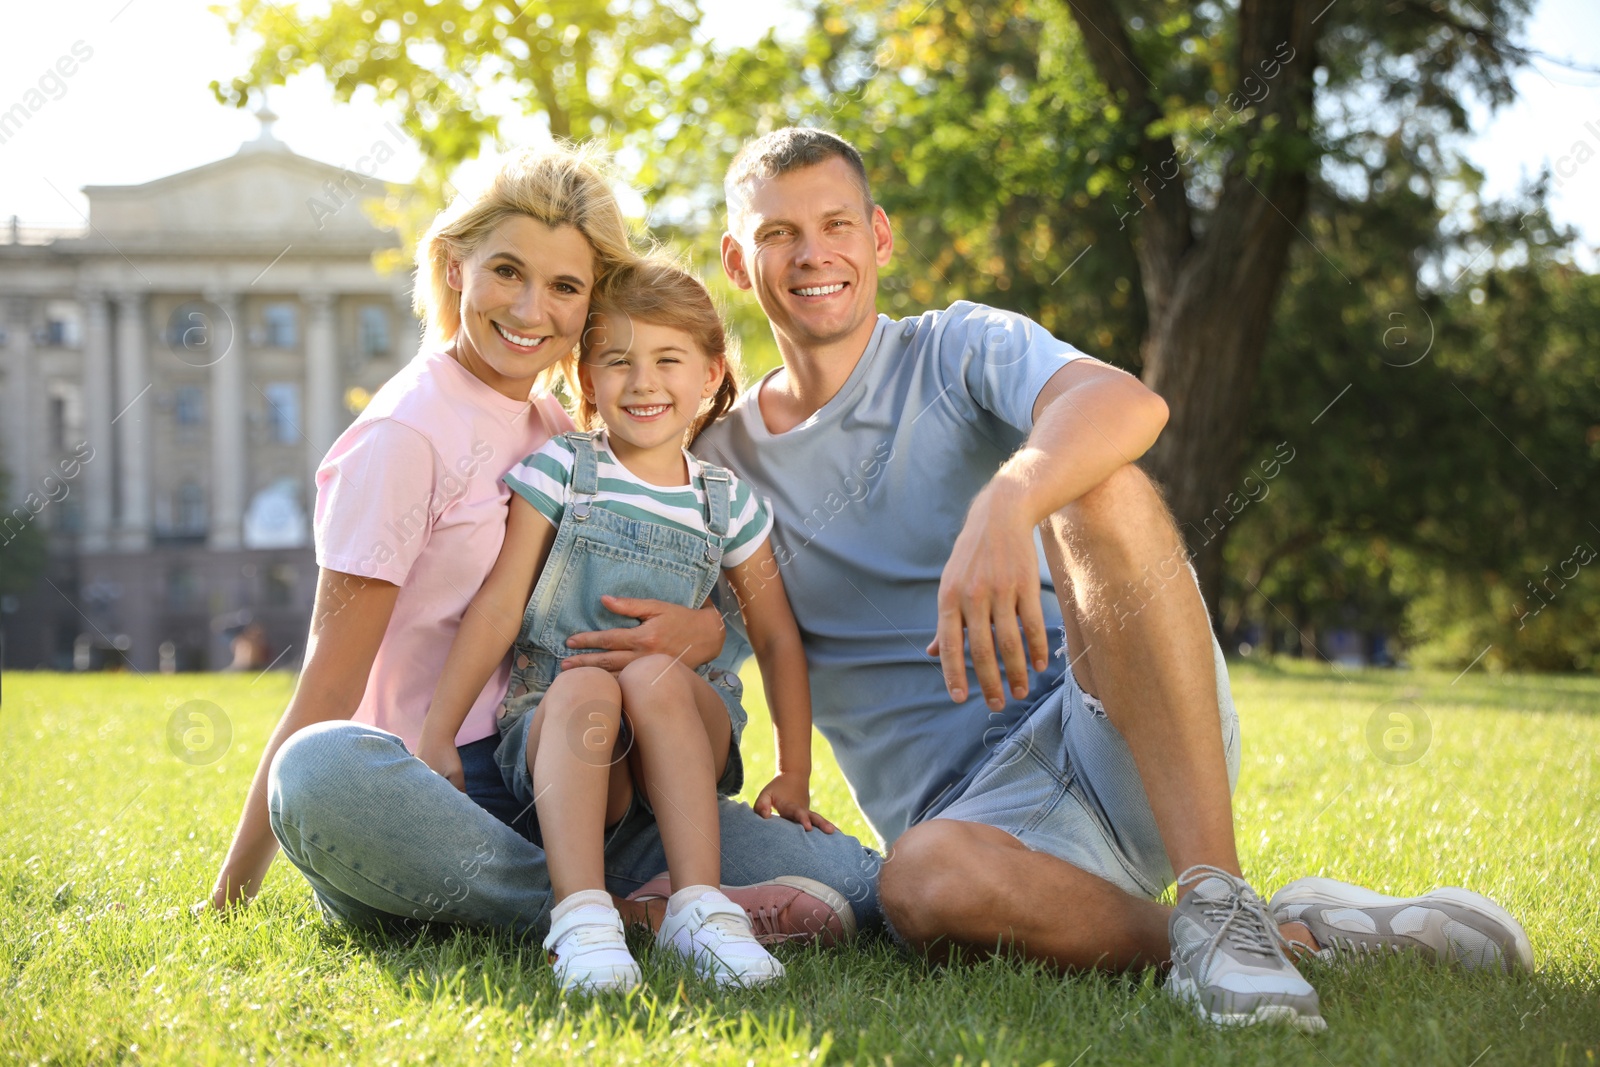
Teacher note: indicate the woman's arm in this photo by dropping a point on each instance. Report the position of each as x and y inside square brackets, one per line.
[775, 640]
[347, 625]
[487, 630]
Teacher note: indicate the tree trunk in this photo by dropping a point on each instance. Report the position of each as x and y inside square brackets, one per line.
[1210, 295]
[1203, 352]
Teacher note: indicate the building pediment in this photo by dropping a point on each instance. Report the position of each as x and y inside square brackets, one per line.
[263, 192]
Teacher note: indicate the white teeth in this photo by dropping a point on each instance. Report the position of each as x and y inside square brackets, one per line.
[821, 290]
[517, 339]
[646, 412]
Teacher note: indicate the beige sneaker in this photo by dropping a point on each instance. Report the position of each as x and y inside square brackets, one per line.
[1448, 926]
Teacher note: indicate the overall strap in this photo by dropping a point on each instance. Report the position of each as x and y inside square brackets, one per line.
[719, 492]
[585, 471]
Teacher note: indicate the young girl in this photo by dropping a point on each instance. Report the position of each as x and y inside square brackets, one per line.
[625, 510]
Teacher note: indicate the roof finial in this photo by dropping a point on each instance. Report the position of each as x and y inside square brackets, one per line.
[266, 116]
[265, 141]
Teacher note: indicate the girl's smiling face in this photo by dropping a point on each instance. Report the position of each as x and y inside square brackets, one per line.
[524, 298]
[647, 382]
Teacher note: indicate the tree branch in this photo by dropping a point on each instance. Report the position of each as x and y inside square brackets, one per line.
[1166, 227]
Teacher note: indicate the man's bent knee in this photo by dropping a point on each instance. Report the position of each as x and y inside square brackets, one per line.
[1127, 500]
[933, 882]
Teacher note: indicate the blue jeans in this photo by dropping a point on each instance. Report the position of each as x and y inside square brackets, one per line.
[384, 841]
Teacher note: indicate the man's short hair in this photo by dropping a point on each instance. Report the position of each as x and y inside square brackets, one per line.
[781, 151]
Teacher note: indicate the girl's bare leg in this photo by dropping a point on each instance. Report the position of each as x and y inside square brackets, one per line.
[681, 740]
[578, 782]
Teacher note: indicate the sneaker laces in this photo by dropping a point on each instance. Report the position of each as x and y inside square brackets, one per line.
[1242, 917]
[729, 920]
[764, 920]
[589, 934]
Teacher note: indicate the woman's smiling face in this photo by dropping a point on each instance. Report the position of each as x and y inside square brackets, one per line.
[524, 301]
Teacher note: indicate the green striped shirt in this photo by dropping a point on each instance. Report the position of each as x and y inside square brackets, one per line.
[544, 480]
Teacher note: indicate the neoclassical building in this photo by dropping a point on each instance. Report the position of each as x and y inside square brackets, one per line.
[170, 377]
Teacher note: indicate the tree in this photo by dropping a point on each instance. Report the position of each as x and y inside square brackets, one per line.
[1180, 143]
[23, 552]
[453, 69]
[1138, 175]
[1438, 495]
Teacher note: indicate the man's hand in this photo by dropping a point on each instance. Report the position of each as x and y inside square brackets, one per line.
[989, 595]
[790, 796]
[440, 754]
[693, 635]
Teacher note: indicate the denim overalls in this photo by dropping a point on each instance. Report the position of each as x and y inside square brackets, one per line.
[598, 551]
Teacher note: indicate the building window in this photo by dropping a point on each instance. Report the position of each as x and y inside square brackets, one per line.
[283, 412]
[191, 509]
[58, 422]
[183, 589]
[66, 415]
[374, 331]
[283, 325]
[69, 515]
[189, 405]
[198, 333]
[63, 325]
[281, 579]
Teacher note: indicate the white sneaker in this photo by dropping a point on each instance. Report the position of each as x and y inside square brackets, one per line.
[1227, 957]
[589, 951]
[715, 935]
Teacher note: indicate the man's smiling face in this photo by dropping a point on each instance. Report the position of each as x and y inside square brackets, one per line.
[809, 245]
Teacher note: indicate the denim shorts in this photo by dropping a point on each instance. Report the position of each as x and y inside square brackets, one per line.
[1064, 783]
[511, 755]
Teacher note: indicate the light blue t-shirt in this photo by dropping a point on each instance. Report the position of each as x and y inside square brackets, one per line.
[867, 497]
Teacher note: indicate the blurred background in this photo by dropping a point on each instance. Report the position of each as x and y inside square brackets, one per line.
[1353, 244]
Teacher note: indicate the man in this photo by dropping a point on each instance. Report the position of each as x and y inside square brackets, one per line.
[909, 465]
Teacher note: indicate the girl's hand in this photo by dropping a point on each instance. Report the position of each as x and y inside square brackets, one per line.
[441, 755]
[790, 796]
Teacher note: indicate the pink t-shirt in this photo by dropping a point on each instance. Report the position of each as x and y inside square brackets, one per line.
[411, 494]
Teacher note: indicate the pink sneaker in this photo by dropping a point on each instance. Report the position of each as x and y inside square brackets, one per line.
[788, 909]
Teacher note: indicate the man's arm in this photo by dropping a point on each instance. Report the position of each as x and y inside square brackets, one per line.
[1090, 419]
[694, 635]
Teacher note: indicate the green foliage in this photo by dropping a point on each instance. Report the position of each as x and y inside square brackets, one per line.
[1455, 438]
[1014, 175]
[23, 553]
[101, 962]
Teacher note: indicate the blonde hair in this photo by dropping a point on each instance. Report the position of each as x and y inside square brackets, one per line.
[560, 185]
[659, 292]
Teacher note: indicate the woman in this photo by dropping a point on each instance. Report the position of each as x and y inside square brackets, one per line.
[409, 519]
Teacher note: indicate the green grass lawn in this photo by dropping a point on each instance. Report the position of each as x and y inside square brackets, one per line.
[106, 837]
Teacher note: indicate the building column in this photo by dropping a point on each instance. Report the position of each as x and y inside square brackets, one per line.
[229, 474]
[24, 400]
[98, 473]
[324, 399]
[134, 418]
